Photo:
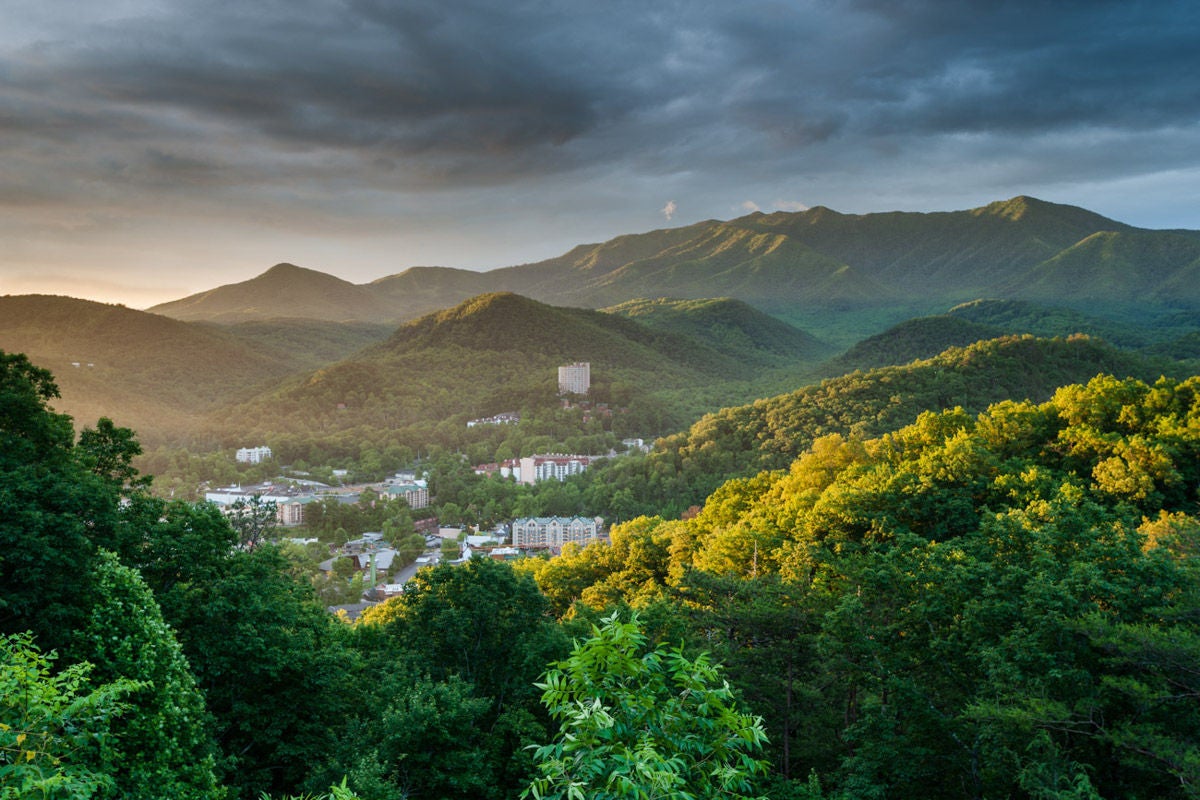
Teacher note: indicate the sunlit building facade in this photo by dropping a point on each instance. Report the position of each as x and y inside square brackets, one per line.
[555, 531]
[575, 378]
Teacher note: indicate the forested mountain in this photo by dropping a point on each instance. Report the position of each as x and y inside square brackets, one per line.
[134, 367]
[175, 381]
[418, 291]
[969, 253]
[728, 326]
[307, 343]
[923, 337]
[500, 352]
[992, 604]
[872, 270]
[283, 291]
[1108, 268]
[1020, 316]
[770, 433]
[160, 375]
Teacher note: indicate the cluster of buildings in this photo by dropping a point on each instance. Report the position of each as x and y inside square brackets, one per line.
[506, 418]
[292, 497]
[542, 467]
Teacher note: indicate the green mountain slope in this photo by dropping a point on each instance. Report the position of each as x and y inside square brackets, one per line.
[503, 321]
[711, 259]
[923, 337]
[492, 353]
[1019, 316]
[847, 276]
[728, 326]
[422, 290]
[963, 253]
[1110, 267]
[770, 433]
[284, 291]
[307, 343]
[143, 370]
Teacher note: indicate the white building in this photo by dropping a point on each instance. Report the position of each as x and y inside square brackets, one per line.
[554, 466]
[575, 378]
[289, 507]
[507, 418]
[555, 531]
[253, 455]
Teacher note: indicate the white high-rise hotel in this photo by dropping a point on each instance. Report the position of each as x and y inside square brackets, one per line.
[575, 378]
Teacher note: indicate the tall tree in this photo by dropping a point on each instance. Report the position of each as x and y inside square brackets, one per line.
[53, 509]
[643, 723]
[163, 749]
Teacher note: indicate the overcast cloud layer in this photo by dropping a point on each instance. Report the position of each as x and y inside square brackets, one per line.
[152, 149]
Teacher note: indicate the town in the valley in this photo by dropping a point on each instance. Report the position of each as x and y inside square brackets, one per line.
[382, 568]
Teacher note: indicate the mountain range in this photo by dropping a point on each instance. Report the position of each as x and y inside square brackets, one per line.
[173, 380]
[686, 319]
[879, 268]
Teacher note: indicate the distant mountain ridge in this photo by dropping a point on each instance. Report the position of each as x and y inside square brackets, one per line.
[785, 263]
[284, 291]
[731, 326]
[134, 367]
[500, 351]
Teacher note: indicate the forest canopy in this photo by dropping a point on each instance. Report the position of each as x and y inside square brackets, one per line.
[992, 602]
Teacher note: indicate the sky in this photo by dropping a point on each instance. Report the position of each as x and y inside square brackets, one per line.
[150, 149]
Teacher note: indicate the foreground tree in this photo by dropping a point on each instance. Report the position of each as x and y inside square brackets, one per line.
[643, 724]
[50, 721]
[53, 509]
[478, 635]
[163, 748]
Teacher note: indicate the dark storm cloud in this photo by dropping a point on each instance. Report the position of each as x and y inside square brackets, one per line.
[366, 115]
[432, 80]
[509, 89]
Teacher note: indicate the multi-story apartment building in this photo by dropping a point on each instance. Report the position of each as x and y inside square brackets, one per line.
[253, 455]
[575, 378]
[554, 466]
[416, 496]
[555, 531]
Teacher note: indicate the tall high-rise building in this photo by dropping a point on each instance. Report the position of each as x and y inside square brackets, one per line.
[575, 378]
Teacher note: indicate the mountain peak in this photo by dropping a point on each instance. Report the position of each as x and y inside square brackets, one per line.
[284, 290]
[1014, 208]
[284, 268]
[285, 271]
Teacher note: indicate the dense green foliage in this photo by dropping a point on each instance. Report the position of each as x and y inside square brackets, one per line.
[643, 723]
[164, 749]
[974, 576]
[685, 468]
[51, 721]
[1000, 604]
